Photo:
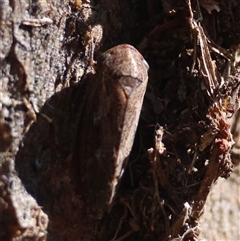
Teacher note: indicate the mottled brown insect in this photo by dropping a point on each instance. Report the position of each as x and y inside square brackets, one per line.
[108, 123]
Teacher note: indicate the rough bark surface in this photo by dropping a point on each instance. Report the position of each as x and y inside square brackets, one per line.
[183, 144]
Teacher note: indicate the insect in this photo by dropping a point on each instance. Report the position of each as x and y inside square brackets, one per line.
[107, 126]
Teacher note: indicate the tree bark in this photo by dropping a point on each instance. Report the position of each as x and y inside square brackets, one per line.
[183, 142]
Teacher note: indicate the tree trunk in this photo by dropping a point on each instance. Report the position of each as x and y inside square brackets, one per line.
[183, 143]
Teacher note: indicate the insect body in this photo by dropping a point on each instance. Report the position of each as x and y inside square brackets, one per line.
[108, 123]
